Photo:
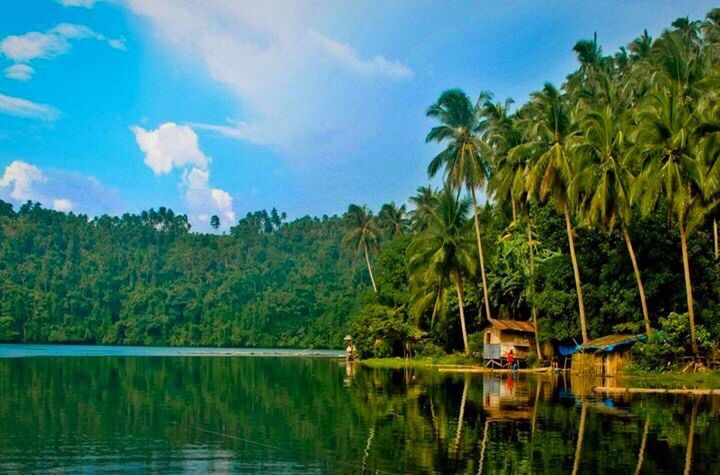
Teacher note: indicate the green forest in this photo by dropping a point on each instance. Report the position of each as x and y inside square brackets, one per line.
[589, 209]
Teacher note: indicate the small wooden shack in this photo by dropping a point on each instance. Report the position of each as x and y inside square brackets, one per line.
[605, 356]
[505, 335]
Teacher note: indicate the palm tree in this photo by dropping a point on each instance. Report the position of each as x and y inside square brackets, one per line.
[393, 219]
[423, 201]
[549, 126]
[444, 250]
[464, 159]
[362, 235]
[670, 172]
[667, 145]
[604, 180]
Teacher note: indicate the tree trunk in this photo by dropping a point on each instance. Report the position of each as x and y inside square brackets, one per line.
[514, 209]
[576, 271]
[482, 258]
[715, 239]
[533, 308]
[461, 304]
[367, 260]
[641, 289]
[688, 289]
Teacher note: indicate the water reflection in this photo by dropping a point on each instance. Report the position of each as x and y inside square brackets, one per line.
[256, 415]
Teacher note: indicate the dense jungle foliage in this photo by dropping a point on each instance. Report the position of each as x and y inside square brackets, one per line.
[146, 280]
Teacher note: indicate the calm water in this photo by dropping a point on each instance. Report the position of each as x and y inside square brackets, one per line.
[202, 414]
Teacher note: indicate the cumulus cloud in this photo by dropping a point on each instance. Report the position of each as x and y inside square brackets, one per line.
[169, 146]
[296, 85]
[21, 177]
[62, 204]
[19, 107]
[58, 189]
[172, 146]
[57, 41]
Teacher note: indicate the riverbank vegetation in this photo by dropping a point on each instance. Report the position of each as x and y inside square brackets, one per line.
[601, 214]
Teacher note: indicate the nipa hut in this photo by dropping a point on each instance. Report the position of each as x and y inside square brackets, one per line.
[605, 356]
[505, 335]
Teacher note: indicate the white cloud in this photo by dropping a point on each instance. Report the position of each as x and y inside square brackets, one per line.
[296, 85]
[345, 55]
[34, 45]
[19, 107]
[21, 72]
[78, 3]
[62, 204]
[61, 190]
[172, 146]
[169, 146]
[21, 178]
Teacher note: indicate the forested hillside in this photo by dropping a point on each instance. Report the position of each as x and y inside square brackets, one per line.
[146, 280]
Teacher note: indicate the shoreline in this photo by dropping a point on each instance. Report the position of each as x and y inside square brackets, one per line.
[664, 380]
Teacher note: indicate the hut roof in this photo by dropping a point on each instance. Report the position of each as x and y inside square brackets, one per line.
[513, 325]
[611, 342]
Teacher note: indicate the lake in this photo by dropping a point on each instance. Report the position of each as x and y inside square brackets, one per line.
[139, 411]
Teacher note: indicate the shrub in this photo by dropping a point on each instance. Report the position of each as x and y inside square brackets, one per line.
[475, 344]
[668, 344]
[380, 331]
[429, 349]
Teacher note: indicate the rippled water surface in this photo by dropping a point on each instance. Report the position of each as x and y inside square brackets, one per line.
[229, 414]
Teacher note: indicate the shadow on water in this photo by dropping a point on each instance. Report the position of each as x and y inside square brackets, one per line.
[275, 415]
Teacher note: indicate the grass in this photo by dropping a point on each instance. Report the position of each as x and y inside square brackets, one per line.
[456, 359]
[707, 379]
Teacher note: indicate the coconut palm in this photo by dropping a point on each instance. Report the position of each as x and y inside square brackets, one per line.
[422, 202]
[445, 248]
[604, 180]
[363, 235]
[393, 219]
[668, 144]
[549, 127]
[464, 159]
[670, 172]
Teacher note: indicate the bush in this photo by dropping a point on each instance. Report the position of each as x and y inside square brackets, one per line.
[475, 344]
[667, 345]
[379, 331]
[429, 349]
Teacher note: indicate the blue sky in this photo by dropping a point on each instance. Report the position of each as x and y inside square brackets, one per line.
[224, 107]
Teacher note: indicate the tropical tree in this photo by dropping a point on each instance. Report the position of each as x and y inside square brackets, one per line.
[422, 202]
[464, 159]
[393, 219]
[603, 182]
[549, 126]
[215, 221]
[667, 143]
[444, 250]
[362, 235]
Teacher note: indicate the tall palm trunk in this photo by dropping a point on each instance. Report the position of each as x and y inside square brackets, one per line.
[688, 289]
[715, 238]
[533, 308]
[367, 261]
[461, 304]
[576, 271]
[636, 269]
[514, 209]
[480, 251]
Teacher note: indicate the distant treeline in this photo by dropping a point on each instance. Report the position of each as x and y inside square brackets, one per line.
[146, 280]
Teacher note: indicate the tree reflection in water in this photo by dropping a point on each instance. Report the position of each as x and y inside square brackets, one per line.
[274, 415]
